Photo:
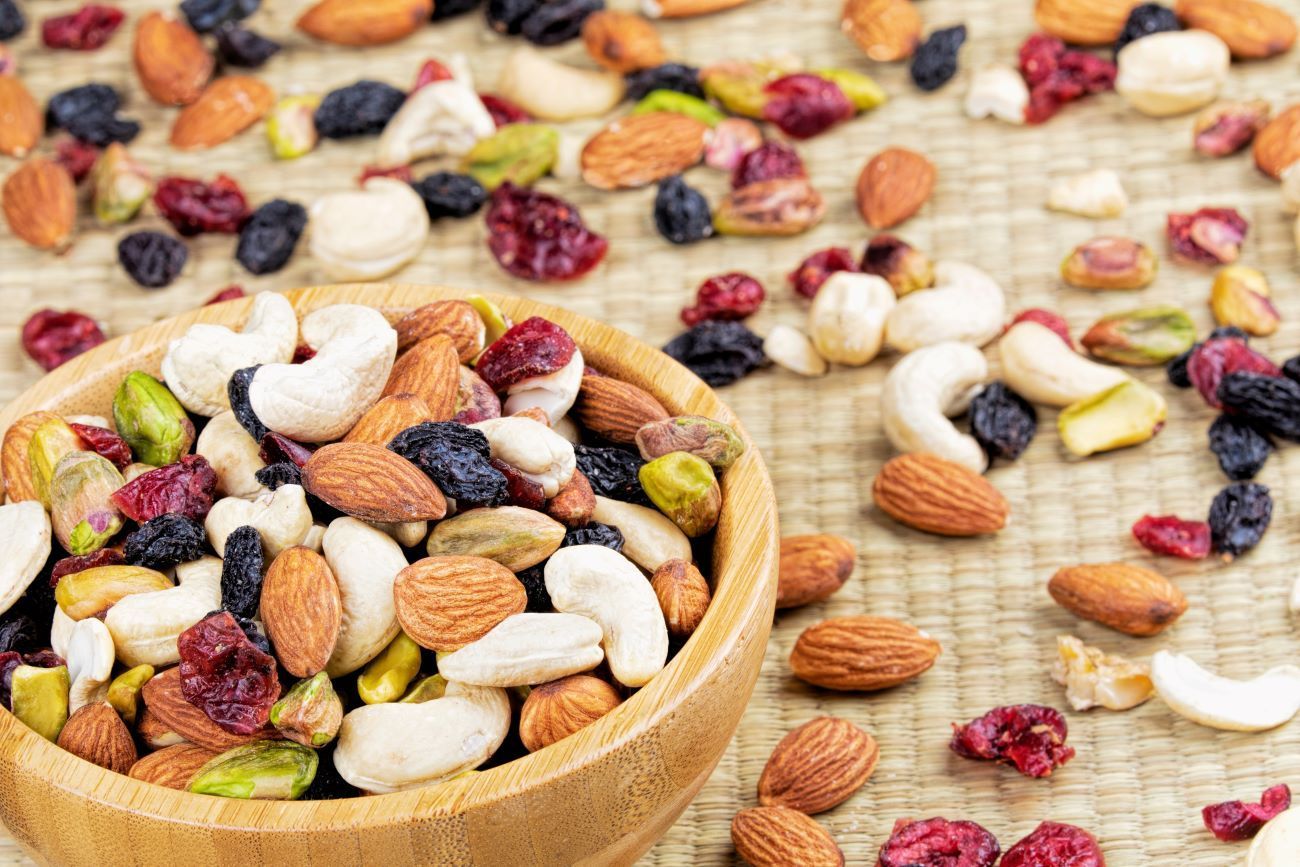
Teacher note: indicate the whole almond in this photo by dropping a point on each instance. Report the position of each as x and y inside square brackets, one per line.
[643, 148]
[444, 603]
[781, 837]
[430, 370]
[302, 610]
[893, 186]
[390, 415]
[1083, 22]
[575, 502]
[1130, 599]
[229, 106]
[557, 709]
[614, 409]
[21, 122]
[683, 596]
[812, 567]
[15, 466]
[40, 204]
[372, 483]
[687, 8]
[166, 705]
[887, 30]
[97, 734]
[818, 766]
[1251, 29]
[455, 318]
[170, 59]
[373, 22]
[172, 766]
[1277, 146]
[621, 41]
[862, 653]
[939, 496]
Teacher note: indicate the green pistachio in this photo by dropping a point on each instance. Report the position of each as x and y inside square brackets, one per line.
[684, 488]
[715, 442]
[778, 206]
[861, 89]
[40, 698]
[389, 674]
[309, 713]
[1122, 415]
[83, 516]
[124, 691]
[1110, 263]
[426, 689]
[679, 103]
[48, 445]
[291, 126]
[519, 152]
[496, 321]
[1150, 336]
[515, 537]
[267, 770]
[120, 186]
[151, 420]
[739, 85]
[88, 592]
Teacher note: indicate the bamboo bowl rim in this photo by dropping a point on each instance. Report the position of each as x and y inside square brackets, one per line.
[743, 575]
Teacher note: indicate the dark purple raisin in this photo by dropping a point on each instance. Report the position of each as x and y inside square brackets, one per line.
[1231, 331]
[667, 76]
[612, 472]
[165, 541]
[681, 212]
[1144, 20]
[1239, 446]
[253, 632]
[364, 108]
[1239, 516]
[89, 114]
[534, 581]
[444, 9]
[269, 237]
[152, 259]
[595, 533]
[1002, 422]
[12, 21]
[241, 572]
[507, 16]
[237, 390]
[1291, 369]
[207, 15]
[718, 352]
[1176, 369]
[935, 61]
[1271, 403]
[274, 476]
[239, 46]
[558, 21]
[456, 457]
[448, 194]
[18, 632]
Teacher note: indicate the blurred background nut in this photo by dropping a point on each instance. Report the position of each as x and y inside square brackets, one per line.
[291, 126]
[847, 318]
[812, 567]
[892, 187]
[621, 41]
[1277, 842]
[965, 305]
[557, 709]
[444, 117]
[906, 268]
[1208, 699]
[886, 30]
[778, 206]
[551, 90]
[1252, 29]
[1097, 194]
[519, 153]
[792, 349]
[1240, 297]
[368, 233]
[1042, 368]
[1226, 127]
[1110, 263]
[999, 91]
[1172, 72]
[119, 186]
[1150, 336]
[1097, 23]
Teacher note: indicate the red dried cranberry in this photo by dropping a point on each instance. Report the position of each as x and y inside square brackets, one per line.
[769, 160]
[430, 72]
[397, 173]
[302, 352]
[1055, 844]
[538, 236]
[1235, 820]
[1056, 76]
[939, 843]
[817, 269]
[71, 565]
[225, 675]
[84, 30]
[76, 156]
[804, 105]
[503, 111]
[1214, 359]
[278, 448]
[1169, 534]
[230, 293]
[1040, 55]
[534, 347]
[104, 443]
[520, 490]
[183, 488]
[1210, 236]
[1047, 319]
[194, 207]
[1030, 737]
[51, 337]
[726, 296]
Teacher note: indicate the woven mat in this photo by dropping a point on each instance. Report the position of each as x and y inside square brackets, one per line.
[1140, 777]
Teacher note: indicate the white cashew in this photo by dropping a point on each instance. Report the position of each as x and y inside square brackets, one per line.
[1097, 194]
[965, 305]
[408, 534]
[999, 91]
[649, 538]
[1277, 842]
[526, 649]
[321, 399]
[234, 455]
[282, 517]
[404, 745]
[365, 561]
[368, 233]
[553, 393]
[920, 392]
[847, 318]
[539, 453]
[60, 631]
[442, 118]
[1040, 367]
[198, 366]
[602, 584]
[90, 662]
[1173, 72]
[25, 540]
[145, 626]
[1266, 702]
[792, 349]
[551, 90]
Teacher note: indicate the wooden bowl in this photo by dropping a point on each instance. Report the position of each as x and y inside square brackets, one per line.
[602, 796]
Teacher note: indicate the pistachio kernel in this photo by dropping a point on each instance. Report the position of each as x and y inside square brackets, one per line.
[1123, 415]
[83, 516]
[39, 698]
[49, 444]
[124, 691]
[151, 420]
[310, 713]
[1110, 263]
[675, 102]
[387, 676]
[519, 153]
[684, 488]
[264, 770]
[1150, 336]
[713, 441]
[1240, 297]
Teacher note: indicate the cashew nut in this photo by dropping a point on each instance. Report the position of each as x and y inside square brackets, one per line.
[25, 540]
[145, 626]
[1266, 702]
[368, 233]
[404, 745]
[551, 90]
[1097, 194]
[198, 366]
[602, 584]
[1093, 678]
[408, 534]
[650, 539]
[60, 631]
[1042, 368]
[90, 662]
[525, 649]
[1278, 842]
[364, 561]
[282, 517]
[919, 394]
[445, 117]
[999, 91]
[315, 538]
[321, 399]
[847, 318]
[568, 428]
[234, 455]
[540, 454]
[1173, 72]
[965, 305]
[553, 393]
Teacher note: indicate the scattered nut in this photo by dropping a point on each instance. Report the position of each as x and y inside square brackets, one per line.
[792, 349]
[551, 90]
[847, 318]
[812, 567]
[622, 42]
[1042, 368]
[1276, 842]
[1098, 23]
[1173, 72]
[1123, 415]
[938, 496]
[369, 233]
[1226, 127]
[965, 305]
[887, 30]
[862, 653]
[1150, 336]
[1130, 599]
[1097, 194]
[919, 394]
[1265, 702]
[893, 186]
[779, 836]
[999, 91]
[1093, 678]
[1251, 29]
[818, 766]
[1240, 297]
[442, 118]
[1110, 263]
[906, 268]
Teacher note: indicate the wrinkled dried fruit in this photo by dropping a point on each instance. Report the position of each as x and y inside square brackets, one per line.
[538, 236]
[725, 297]
[87, 29]
[718, 352]
[803, 105]
[242, 569]
[73, 565]
[1210, 236]
[12, 23]
[1057, 76]
[905, 268]
[74, 155]
[456, 458]
[935, 61]
[1002, 422]
[1239, 515]
[207, 15]
[1214, 359]
[1150, 336]
[1240, 297]
[186, 487]
[558, 21]
[152, 259]
[364, 108]
[503, 111]
[534, 347]
[447, 194]
[1055, 844]
[89, 113]
[239, 46]
[739, 86]
[769, 160]
[1271, 403]
[1145, 19]
[939, 843]
[1029, 737]
[817, 269]
[194, 207]
[1110, 263]
[507, 16]
[104, 443]
[668, 76]
[681, 212]
[165, 541]
[1226, 127]
[225, 675]
[269, 237]
[1172, 536]
[612, 472]
[1239, 446]
[51, 337]
[780, 206]
[1236, 820]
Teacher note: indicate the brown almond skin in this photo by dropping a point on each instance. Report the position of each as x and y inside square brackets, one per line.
[555, 710]
[640, 149]
[893, 186]
[373, 22]
[154, 733]
[430, 370]
[1096, 22]
[887, 30]
[23, 122]
[781, 837]
[1277, 145]
[40, 204]
[1129, 599]
[455, 318]
[162, 696]
[1251, 29]
[390, 415]
[683, 595]
[170, 59]
[14, 464]
[622, 42]
[614, 409]
[97, 734]
[302, 610]
[929, 493]
[812, 567]
[372, 483]
[862, 653]
[173, 766]
[444, 603]
[818, 766]
[226, 108]
[574, 504]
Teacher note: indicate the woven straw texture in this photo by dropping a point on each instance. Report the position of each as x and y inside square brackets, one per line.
[1140, 777]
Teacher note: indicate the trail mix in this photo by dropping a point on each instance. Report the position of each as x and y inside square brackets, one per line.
[224, 589]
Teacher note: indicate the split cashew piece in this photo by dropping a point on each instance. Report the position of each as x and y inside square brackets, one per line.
[526, 649]
[445, 117]
[368, 233]
[198, 366]
[145, 626]
[282, 518]
[1266, 702]
[90, 662]
[1278, 842]
[539, 453]
[234, 455]
[847, 319]
[550, 90]
[364, 561]
[404, 745]
[1040, 367]
[650, 539]
[25, 540]
[922, 390]
[322, 399]
[965, 305]
[554, 393]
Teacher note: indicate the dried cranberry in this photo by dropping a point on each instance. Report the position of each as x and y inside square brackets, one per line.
[767, 161]
[84, 30]
[1056, 76]
[183, 488]
[1055, 844]
[430, 72]
[817, 269]
[1040, 55]
[1235, 820]
[1029, 737]
[1219, 356]
[76, 156]
[520, 490]
[51, 337]
[503, 111]
[302, 352]
[230, 293]
[538, 236]
[194, 207]
[1171, 535]
[1047, 319]
[225, 675]
[939, 843]
[104, 443]
[804, 105]
[397, 173]
[72, 565]
[1210, 236]
[278, 447]
[726, 296]
[534, 347]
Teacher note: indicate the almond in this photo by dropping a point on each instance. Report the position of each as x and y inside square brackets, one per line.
[15, 466]
[555, 710]
[886, 30]
[172, 766]
[371, 483]
[893, 186]
[387, 418]
[643, 148]
[40, 204]
[228, 107]
[813, 567]
[614, 409]
[21, 122]
[1083, 22]
[154, 733]
[929, 493]
[862, 653]
[687, 8]
[302, 610]
[575, 502]
[166, 705]
[430, 370]
[1252, 30]
[1277, 146]
[374, 22]
[683, 596]
[97, 734]
[170, 59]
[621, 41]
[454, 318]
[1130, 599]
[781, 837]
[444, 603]
[818, 766]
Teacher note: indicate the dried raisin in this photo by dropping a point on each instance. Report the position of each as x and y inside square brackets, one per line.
[534, 581]
[1291, 369]
[1271, 403]
[12, 21]
[1239, 446]
[457, 458]
[508, 16]
[595, 533]
[89, 113]
[532, 348]
[239, 46]
[1029, 737]
[72, 565]
[270, 236]
[451, 8]
[165, 541]
[935, 61]
[1239, 515]
[152, 259]
[1169, 534]
[207, 15]
[817, 269]
[364, 108]
[725, 297]
[557, 21]
[275, 476]
[538, 236]
[241, 572]
[18, 632]
[804, 105]
[87, 29]
[52, 337]
[448, 194]
[1176, 370]
[718, 352]
[1144, 20]
[104, 443]
[938, 842]
[186, 488]
[612, 472]
[237, 391]
[667, 76]
[1055, 844]
[226, 675]
[681, 212]
[1002, 422]
[1236, 820]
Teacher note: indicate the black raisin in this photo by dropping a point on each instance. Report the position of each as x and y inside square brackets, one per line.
[595, 533]
[935, 61]
[448, 194]
[681, 212]
[269, 237]
[1176, 369]
[667, 76]
[456, 457]
[12, 21]
[164, 541]
[1240, 448]
[19, 632]
[1230, 331]
[89, 113]
[1144, 20]
[1291, 369]
[254, 633]
[328, 784]
[534, 581]
[557, 21]
[612, 472]
[275, 475]
[241, 572]
[239, 46]
[1002, 422]
[152, 259]
[507, 16]
[444, 9]
[207, 15]
[718, 352]
[363, 108]
[1271, 403]
[1239, 516]
[237, 390]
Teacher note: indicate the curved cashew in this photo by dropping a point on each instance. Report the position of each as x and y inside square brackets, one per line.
[145, 626]
[234, 455]
[650, 539]
[282, 517]
[365, 561]
[1266, 702]
[404, 745]
[525, 649]
[321, 399]
[919, 393]
[198, 366]
[90, 662]
[1039, 366]
[965, 305]
[553, 393]
[25, 532]
[367, 233]
[1276, 844]
[551, 90]
[445, 117]
[539, 453]
[60, 631]
[847, 318]
[602, 584]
